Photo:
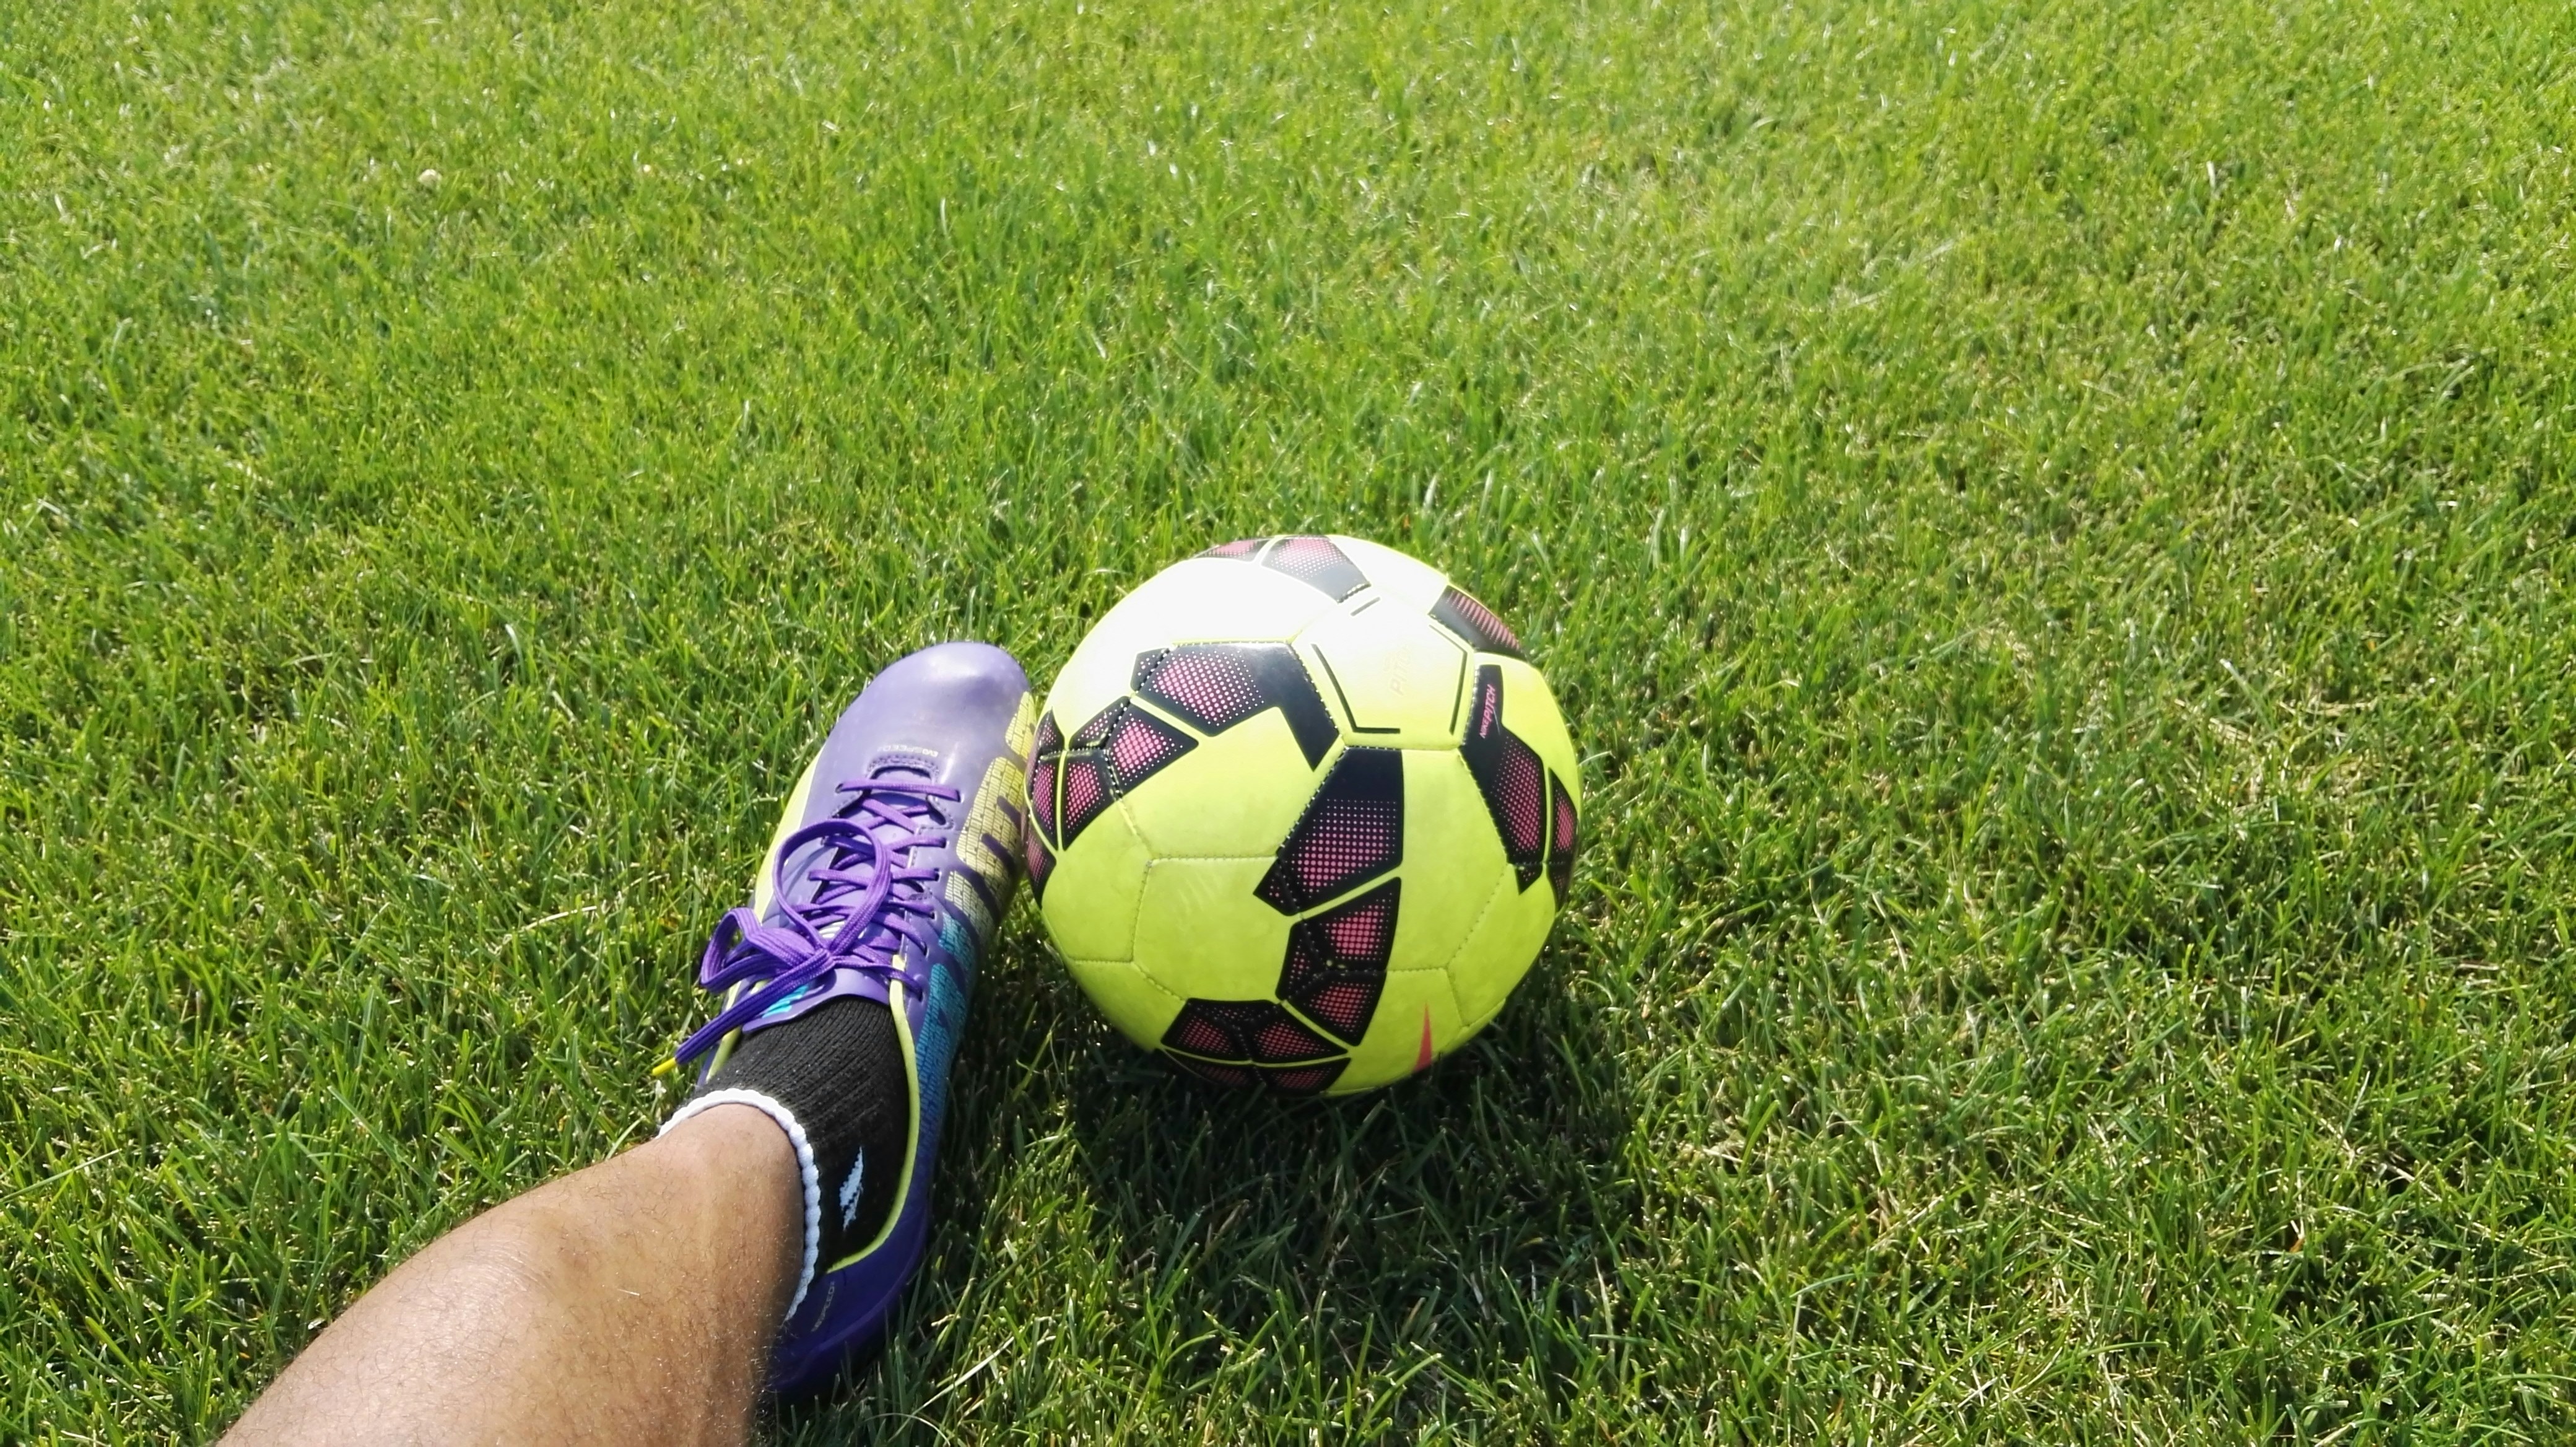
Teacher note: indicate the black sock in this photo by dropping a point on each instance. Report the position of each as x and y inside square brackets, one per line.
[838, 1073]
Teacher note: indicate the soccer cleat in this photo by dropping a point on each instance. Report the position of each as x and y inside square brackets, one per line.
[845, 981]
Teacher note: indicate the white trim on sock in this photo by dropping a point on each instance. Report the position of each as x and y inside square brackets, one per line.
[805, 1166]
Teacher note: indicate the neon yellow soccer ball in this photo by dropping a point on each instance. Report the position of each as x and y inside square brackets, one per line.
[1301, 814]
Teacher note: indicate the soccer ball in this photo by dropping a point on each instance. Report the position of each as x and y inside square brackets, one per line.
[1301, 814]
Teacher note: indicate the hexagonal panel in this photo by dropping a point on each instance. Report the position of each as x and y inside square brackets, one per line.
[1091, 890]
[1393, 678]
[1455, 860]
[1200, 933]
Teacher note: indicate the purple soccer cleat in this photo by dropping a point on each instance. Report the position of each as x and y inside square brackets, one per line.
[846, 979]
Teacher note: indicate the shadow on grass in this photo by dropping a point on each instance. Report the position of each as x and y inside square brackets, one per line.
[1369, 1257]
[1455, 1214]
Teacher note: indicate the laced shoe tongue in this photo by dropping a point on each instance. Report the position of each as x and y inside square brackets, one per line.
[897, 821]
[860, 871]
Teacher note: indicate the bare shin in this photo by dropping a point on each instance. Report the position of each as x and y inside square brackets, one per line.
[632, 1301]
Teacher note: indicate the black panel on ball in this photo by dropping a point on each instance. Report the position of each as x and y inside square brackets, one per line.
[1214, 686]
[1352, 832]
[1475, 623]
[1318, 562]
[1508, 773]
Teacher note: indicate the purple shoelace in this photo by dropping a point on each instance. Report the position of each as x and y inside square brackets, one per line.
[870, 902]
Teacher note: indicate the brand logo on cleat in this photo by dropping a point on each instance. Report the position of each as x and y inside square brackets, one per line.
[850, 1191]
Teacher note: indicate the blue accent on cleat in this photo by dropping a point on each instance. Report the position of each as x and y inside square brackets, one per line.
[888, 887]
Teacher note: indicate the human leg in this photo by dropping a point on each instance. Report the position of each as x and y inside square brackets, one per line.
[631, 1301]
[646, 1294]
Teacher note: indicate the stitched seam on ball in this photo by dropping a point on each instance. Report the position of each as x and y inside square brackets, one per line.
[1469, 936]
[1451, 985]
[1136, 917]
[1138, 970]
[1151, 709]
[1137, 920]
[1147, 976]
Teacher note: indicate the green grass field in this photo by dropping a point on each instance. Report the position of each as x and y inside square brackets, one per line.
[2053, 523]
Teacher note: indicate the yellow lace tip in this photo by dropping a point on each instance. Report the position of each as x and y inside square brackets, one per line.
[667, 1066]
